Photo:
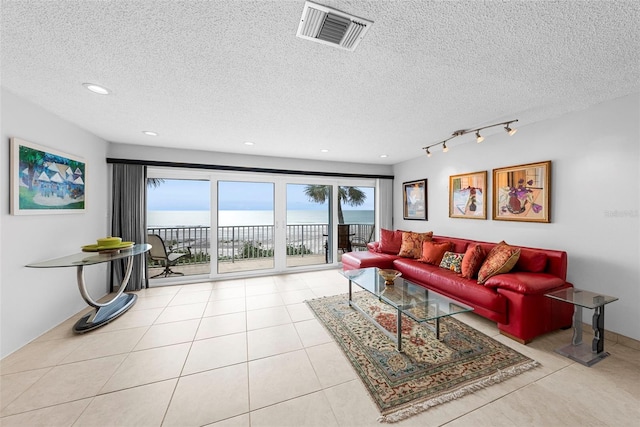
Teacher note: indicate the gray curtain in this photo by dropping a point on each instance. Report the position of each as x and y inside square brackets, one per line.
[129, 220]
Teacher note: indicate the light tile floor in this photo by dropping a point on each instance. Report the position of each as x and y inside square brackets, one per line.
[249, 352]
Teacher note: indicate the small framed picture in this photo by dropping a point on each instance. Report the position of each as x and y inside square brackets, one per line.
[468, 195]
[522, 193]
[45, 181]
[414, 196]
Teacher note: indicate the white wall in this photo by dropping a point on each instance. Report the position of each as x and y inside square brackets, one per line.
[595, 197]
[33, 301]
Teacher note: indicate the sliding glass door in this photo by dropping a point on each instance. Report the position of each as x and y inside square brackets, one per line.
[178, 212]
[232, 224]
[246, 225]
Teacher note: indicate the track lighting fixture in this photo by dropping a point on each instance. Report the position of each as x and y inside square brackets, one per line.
[479, 138]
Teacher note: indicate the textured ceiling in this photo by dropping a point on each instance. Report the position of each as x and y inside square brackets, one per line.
[213, 75]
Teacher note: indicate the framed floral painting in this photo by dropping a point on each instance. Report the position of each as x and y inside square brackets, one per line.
[468, 195]
[522, 193]
[414, 198]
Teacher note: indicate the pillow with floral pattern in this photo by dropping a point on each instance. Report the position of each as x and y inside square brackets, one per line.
[452, 261]
[412, 244]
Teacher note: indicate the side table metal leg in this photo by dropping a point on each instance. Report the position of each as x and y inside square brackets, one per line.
[350, 297]
[597, 345]
[577, 325]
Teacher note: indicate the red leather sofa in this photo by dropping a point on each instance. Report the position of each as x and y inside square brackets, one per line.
[514, 300]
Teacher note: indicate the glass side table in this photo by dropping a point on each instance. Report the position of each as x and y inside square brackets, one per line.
[104, 312]
[577, 350]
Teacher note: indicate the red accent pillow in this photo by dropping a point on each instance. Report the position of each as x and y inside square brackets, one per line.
[432, 252]
[390, 241]
[473, 259]
[501, 259]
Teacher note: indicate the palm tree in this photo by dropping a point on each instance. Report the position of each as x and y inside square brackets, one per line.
[154, 182]
[351, 196]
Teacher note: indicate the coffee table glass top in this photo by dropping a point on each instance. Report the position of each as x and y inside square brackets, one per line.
[581, 298]
[417, 302]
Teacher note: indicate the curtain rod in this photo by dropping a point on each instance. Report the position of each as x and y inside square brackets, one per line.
[243, 169]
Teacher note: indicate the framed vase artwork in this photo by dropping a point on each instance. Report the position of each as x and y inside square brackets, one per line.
[45, 181]
[468, 195]
[522, 193]
[414, 198]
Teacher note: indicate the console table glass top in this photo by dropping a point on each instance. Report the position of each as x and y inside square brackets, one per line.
[417, 302]
[90, 258]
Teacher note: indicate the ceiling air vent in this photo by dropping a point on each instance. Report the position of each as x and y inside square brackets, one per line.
[324, 25]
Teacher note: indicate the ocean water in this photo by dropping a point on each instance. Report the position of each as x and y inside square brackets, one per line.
[250, 217]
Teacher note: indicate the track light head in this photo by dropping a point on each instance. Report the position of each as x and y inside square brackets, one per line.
[428, 152]
[479, 138]
[444, 147]
[509, 130]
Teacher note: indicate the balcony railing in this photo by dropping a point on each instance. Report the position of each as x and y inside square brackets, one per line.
[248, 242]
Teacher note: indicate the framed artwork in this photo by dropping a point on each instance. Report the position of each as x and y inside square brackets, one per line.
[414, 197]
[45, 181]
[468, 195]
[522, 193]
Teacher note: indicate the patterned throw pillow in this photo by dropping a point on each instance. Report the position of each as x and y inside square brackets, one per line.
[412, 244]
[472, 261]
[452, 261]
[501, 259]
[432, 252]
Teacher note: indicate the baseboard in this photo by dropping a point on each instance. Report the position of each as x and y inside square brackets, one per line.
[614, 337]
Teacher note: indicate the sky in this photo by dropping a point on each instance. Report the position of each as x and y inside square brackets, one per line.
[182, 195]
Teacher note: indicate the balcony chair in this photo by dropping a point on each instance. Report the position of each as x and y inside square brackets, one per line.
[359, 243]
[344, 241]
[168, 259]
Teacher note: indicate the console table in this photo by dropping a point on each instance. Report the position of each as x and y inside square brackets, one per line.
[119, 304]
[577, 350]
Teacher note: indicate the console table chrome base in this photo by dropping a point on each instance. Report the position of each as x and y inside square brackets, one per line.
[103, 315]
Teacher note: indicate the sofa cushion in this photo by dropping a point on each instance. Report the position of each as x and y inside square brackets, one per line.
[412, 244]
[472, 261]
[364, 259]
[390, 241]
[432, 252]
[501, 259]
[532, 261]
[452, 261]
[525, 282]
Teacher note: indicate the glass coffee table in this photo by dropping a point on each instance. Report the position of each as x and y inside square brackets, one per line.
[422, 305]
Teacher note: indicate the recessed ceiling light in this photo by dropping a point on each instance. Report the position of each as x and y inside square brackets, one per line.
[324, 150]
[100, 90]
[383, 156]
[150, 133]
[248, 143]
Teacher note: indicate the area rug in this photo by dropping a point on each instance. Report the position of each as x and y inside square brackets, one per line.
[429, 371]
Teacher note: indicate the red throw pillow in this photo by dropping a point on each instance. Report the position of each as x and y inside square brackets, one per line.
[473, 259]
[390, 241]
[432, 252]
[501, 259]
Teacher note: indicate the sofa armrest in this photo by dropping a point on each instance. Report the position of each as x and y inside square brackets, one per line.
[525, 283]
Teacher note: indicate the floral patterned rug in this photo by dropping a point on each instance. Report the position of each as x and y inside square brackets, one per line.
[429, 371]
